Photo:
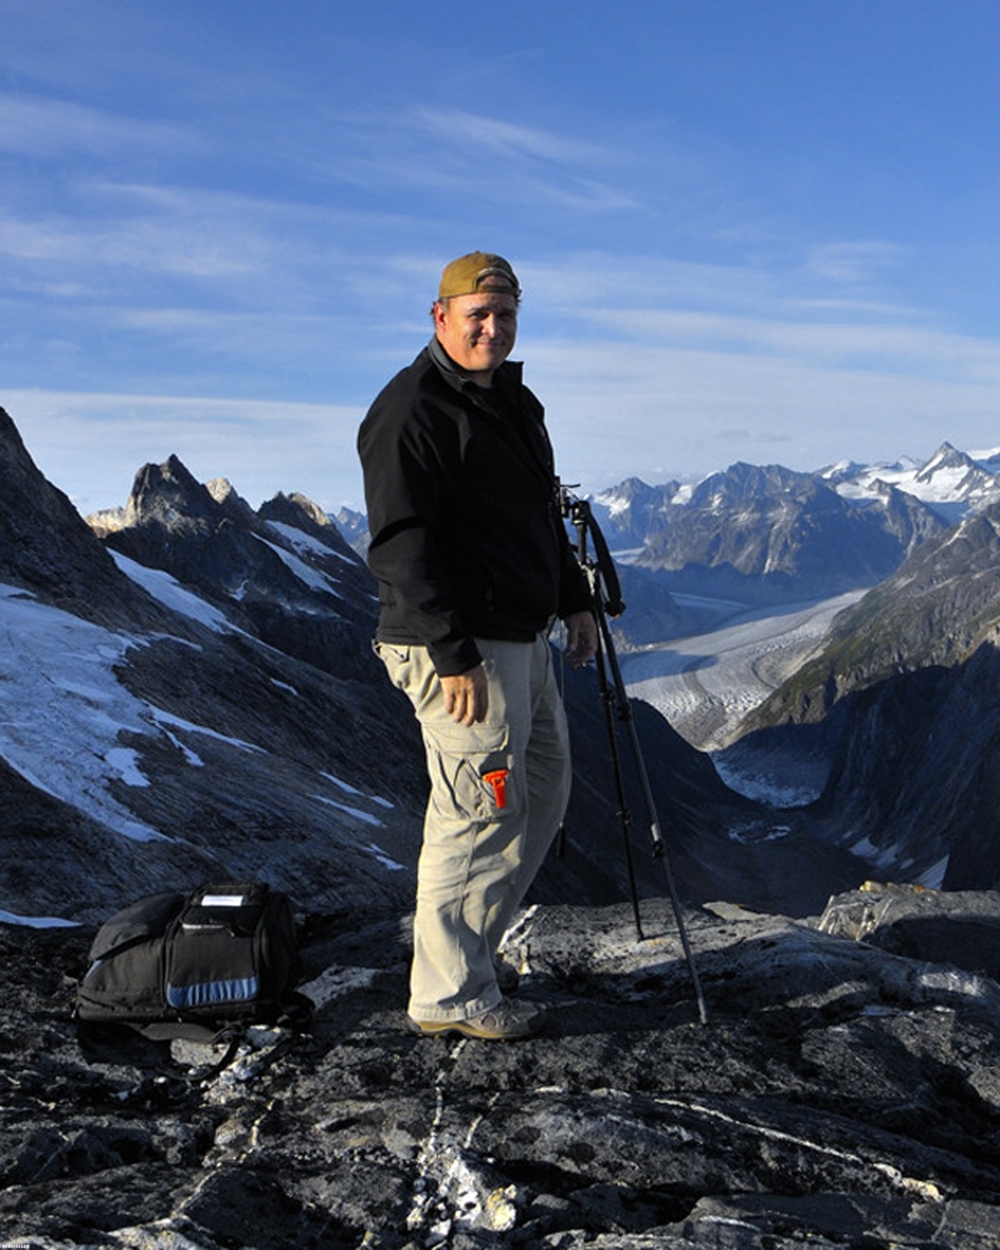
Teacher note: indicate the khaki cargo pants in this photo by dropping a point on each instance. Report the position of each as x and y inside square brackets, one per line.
[498, 794]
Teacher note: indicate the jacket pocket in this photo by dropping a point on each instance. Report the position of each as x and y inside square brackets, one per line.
[396, 660]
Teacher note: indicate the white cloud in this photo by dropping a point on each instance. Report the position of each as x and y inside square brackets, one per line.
[666, 411]
[489, 137]
[890, 347]
[444, 152]
[861, 261]
[92, 445]
[43, 128]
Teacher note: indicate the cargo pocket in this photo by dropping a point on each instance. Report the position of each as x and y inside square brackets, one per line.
[471, 772]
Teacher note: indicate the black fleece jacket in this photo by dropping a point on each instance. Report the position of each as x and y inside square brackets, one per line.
[467, 539]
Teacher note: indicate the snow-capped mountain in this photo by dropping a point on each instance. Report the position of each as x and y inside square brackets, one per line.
[954, 483]
[764, 534]
[632, 512]
[192, 695]
[767, 534]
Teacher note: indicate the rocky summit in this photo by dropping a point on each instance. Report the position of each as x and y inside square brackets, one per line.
[844, 1092]
[189, 694]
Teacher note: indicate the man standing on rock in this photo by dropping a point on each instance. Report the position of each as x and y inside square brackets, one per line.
[474, 567]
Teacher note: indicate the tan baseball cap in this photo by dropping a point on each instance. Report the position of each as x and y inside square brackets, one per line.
[478, 271]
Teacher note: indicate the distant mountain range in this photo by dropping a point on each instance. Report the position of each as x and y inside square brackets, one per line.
[951, 483]
[767, 534]
[189, 691]
[759, 535]
[901, 702]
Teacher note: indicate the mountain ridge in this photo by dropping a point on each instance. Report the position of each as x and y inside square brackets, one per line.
[246, 728]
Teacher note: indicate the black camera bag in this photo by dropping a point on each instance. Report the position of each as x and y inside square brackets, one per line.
[195, 965]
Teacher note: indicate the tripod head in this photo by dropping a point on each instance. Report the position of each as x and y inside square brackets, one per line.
[601, 569]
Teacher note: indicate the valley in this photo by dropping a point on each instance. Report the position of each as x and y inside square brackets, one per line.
[706, 683]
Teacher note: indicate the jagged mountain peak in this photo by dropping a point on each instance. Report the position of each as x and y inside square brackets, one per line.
[49, 550]
[947, 457]
[169, 495]
[628, 491]
[283, 573]
[354, 527]
[766, 530]
[228, 498]
[742, 482]
[302, 513]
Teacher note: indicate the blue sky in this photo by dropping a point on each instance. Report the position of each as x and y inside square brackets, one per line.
[761, 230]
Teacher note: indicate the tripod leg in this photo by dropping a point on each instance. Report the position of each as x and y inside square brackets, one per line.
[624, 815]
[659, 849]
[583, 520]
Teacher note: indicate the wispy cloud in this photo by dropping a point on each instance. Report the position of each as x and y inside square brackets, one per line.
[490, 137]
[261, 447]
[862, 344]
[863, 261]
[43, 127]
[447, 151]
[133, 244]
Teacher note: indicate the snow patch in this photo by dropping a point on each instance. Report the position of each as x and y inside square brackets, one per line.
[386, 860]
[125, 762]
[307, 544]
[365, 817]
[63, 710]
[167, 718]
[306, 574]
[37, 922]
[349, 789]
[933, 877]
[168, 591]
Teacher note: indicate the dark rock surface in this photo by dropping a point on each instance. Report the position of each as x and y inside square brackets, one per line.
[75, 573]
[899, 709]
[916, 773]
[840, 1095]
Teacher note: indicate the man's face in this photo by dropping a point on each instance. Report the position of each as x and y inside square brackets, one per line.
[477, 331]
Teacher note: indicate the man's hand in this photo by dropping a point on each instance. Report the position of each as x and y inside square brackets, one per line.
[581, 639]
[466, 697]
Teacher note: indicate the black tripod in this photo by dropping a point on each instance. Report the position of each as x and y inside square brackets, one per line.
[606, 595]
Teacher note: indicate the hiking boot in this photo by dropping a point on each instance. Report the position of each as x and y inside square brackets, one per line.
[508, 977]
[509, 1021]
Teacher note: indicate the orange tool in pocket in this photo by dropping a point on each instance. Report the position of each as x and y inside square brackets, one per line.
[498, 780]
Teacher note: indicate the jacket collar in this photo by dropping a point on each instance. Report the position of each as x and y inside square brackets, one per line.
[510, 369]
